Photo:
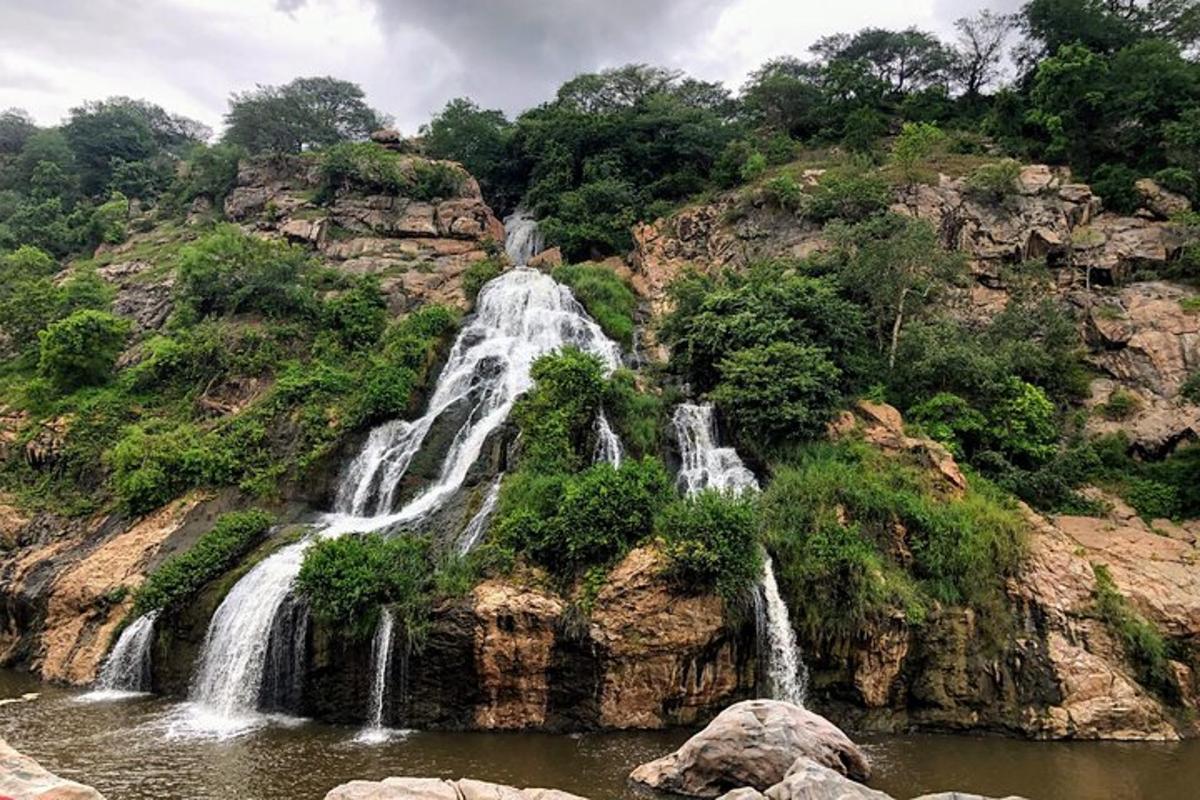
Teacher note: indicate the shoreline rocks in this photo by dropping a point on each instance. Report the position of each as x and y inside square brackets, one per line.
[22, 778]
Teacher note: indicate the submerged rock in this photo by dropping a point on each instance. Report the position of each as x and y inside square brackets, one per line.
[808, 780]
[22, 778]
[754, 743]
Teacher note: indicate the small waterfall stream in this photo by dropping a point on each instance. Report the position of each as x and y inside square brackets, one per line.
[608, 444]
[522, 237]
[478, 524]
[520, 316]
[704, 465]
[126, 670]
[381, 665]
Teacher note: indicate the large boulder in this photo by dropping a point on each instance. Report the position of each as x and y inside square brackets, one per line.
[753, 743]
[808, 780]
[22, 778]
[436, 789]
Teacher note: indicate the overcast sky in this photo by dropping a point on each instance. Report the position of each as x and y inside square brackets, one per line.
[410, 56]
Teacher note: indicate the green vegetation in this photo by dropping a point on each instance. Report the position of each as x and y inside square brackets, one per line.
[607, 298]
[1147, 650]
[856, 534]
[80, 350]
[304, 114]
[179, 579]
[480, 273]
[996, 181]
[369, 167]
[711, 544]
[347, 580]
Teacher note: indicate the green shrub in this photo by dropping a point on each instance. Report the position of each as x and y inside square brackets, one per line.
[357, 316]
[847, 193]
[637, 416]
[371, 168]
[832, 518]
[233, 536]
[710, 543]
[952, 421]
[913, 147]
[753, 167]
[1121, 404]
[996, 181]
[1114, 183]
[568, 523]
[556, 417]
[778, 393]
[347, 580]
[1152, 499]
[784, 192]
[607, 298]
[80, 350]
[1178, 180]
[154, 466]
[1022, 422]
[109, 219]
[1190, 390]
[230, 272]
[480, 273]
[1145, 646]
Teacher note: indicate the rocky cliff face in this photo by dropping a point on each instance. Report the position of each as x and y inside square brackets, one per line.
[419, 249]
[1139, 334]
[515, 656]
[65, 585]
[1060, 672]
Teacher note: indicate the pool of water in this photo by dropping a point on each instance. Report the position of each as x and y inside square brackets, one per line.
[136, 749]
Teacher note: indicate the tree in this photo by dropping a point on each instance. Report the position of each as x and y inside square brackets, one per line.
[303, 114]
[977, 56]
[897, 267]
[903, 61]
[784, 95]
[81, 349]
[16, 126]
[105, 134]
[479, 140]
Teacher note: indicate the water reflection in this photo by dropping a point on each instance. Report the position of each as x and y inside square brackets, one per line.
[125, 749]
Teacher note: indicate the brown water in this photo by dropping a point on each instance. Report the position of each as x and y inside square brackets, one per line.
[127, 749]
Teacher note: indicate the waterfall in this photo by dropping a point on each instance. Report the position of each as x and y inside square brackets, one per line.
[787, 677]
[608, 444]
[478, 524]
[521, 315]
[704, 465]
[381, 665]
[126, 670]
[522, 237]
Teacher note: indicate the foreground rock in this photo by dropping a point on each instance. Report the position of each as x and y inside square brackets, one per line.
[753, 744]
[437, 789]
[22, 778]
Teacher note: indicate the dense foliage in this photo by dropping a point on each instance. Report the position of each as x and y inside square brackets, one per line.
[857, 533]
[346, 581]
[179, 579]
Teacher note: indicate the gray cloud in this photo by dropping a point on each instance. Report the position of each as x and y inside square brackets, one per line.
[411, 56]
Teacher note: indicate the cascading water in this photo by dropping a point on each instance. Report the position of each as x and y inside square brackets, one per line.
[381, 664]
[522, 237]
[521, 315]
[478, 524]
[787, 677]
[126, 671]
[608, 444]
[704, 465]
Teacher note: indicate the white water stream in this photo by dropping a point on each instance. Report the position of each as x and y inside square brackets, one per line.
[126, 670]
[522, 237]
[478, 524]
[381, 665]
[705, 465]
[608, 444]
[520, 316]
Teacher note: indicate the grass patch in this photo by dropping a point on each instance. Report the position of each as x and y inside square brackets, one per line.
[1146, 648]
[607, 298]
[182, 577]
